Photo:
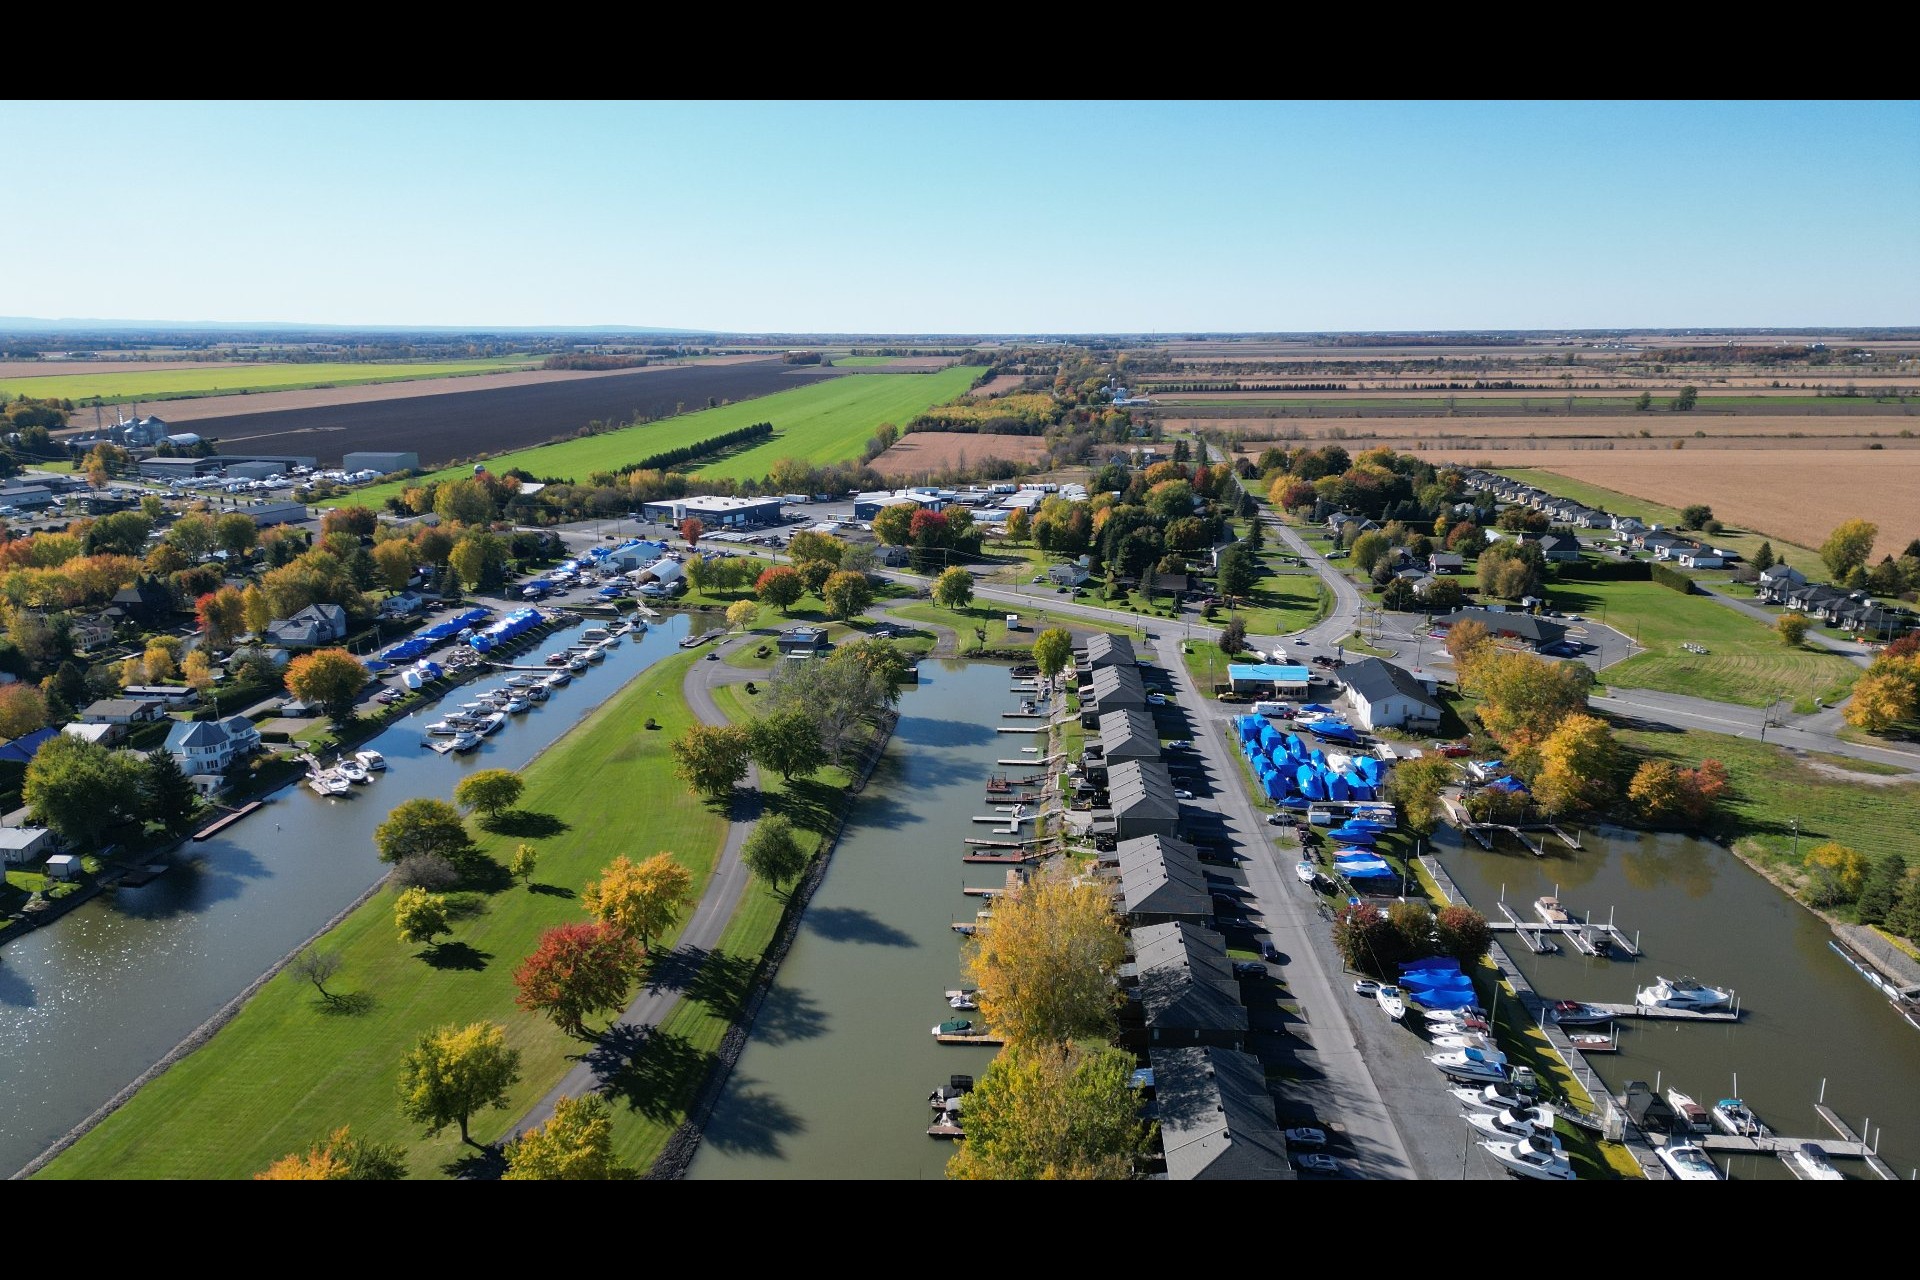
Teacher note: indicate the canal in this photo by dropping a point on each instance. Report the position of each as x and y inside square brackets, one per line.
[94, 999]
[834, 1080]
[1806, 1016]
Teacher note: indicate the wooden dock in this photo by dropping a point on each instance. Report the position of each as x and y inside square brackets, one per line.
[1671, 1015]
[1042, 727]
[944, 1128]
[1023, 715]
[1003, 859]
[982, 1039]
[215, 827]
[1001, 844]
[1031, 761]
[1845, 1130]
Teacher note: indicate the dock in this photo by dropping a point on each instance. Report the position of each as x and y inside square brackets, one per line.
[1589, 939]
[1532, 935]
[944, 1128]
[1024, 715]
[1023, 728]
[142, 875]
[1671, 1015]
[1001, 844]
[1003, 859]
[218, 825]
[982, 1039]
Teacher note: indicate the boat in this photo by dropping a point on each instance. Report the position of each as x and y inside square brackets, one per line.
[1689, 1162]
[556, 659]
[1455, 1015]
[576, 664]
[956, 1027]
[516, 705]
[522, 682]
[1531, 1158]
[329, 783]
[352, 771]
[1688, 1112]
[443, 728]
[1307, 872]
[595, 654]
[1683, 993]
[539, 693]
[1731, 1115]
[1548, 908]
[596, 633]
[1516, 1123]
[371, 761]
[1488, 1098]
[465, 740]
[1488, 1066]
[1447, 1022]
[1594, 1042]
[1459, 1040]
[1809, 1161]
[558, 679]
[962, 1001]
[1393, 1002]
[1572, 1013]
[492, 723]
[611, 642]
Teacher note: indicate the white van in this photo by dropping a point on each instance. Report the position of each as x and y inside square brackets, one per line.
[1269, 708]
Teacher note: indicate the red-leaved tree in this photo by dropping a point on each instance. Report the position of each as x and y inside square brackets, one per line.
[691, 528]
[577, 970]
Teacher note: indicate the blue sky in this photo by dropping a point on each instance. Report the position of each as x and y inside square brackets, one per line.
[967, 217]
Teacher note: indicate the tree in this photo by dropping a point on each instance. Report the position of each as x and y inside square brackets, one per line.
[893, 525]
[1038, 1113]
[847, 594]
[341, 1158]
[420, 916]
[1464, 934]
[468, 561]
[575, 1145]
[1233, 638]
[691, 528]
[1881, 889]
[23, 709]
[808, 545]
[526, 859]
[1835, 874]
[1369, 549]
[1416, 787]
[167, 794]
[781, 586]
[577, 970]
[1238, 572]
[491, 791]
[1688, 397]
[787, 742]
[1763, 558]
[1904, 919]
[1045, 970]
[318, 967]
[452, 1072]
[1019, 525]
[424, 826]
[395, 562]
[259, 612]
[222, 614]
[1525, 698]
[1645, 402]
[1848, 547]
[773, 852]
[1366, 941]
[1052, 650]
[1465, 641]
[329, 678]
[81, 789]
[640, 900]
[742, 614]
[1578, 761]
[1667, 794]
[1695, 515]
[1792, 629]
[712, 759]
[953, 589]
[236, 533]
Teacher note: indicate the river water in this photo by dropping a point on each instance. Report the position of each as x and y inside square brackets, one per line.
[94, 999]
[834, 1080]
[1807, 1017]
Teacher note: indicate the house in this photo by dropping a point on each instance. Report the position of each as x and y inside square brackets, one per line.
[265, 514]
[1386, 696]
[1697, 558]
[102, 734]
[125, 711]
[1068, 575]
[313, 626]
[1128, 735]
[1562, 550]
[22, 845]
[15, 496]
[1536, 633]
[802, 642]
[1447, 562]
[171, 696]
[90, 631]
[144, 601]
[22, 749]
[1216, 1116]
[1157, 583]
[1159, 881]
[208, 748]
[1628, 527]
[257, 653]
[1106, 650]
[1776, 580]
[1140, 800]
[63, 866]
[1111, 689]
[1185, 987]
[404, 605]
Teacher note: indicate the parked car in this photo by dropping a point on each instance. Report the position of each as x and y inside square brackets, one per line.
[1180, 794]
[1453, 750]
[1180, 744]
[1306, 1136]
[1314, 1162]
[1249, 969]
[1366, 987]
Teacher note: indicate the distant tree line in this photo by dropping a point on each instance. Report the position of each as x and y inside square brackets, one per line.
[667, 458]
[576, 360]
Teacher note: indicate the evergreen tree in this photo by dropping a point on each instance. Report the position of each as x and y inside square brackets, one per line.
[1763, 558]
[1882, 889]
[1904, 918]
[170, 797]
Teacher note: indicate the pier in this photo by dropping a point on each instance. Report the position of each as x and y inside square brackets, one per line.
[1588, 938]
[1022, 728]
[1671, 1015]
[982, 1038]
[221, 824]
[1031, 762]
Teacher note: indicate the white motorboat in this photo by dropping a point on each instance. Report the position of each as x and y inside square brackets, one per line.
[1689, 1112]
[1731, 1115]
[596, 633]
[595, 653]
[443, 728]
[466, 740]
[556, 659]
[576, 664]
[371, 761]
[1809, 1161]
[558, 679]
[329, 783]
[1683, 993]
[1690, 1163]
[1550, 911]
[516, 705]
[1459, 1040]
[1462, 1013]
[1531, 1158]
[539, 693]
[1516, 1123]
[1488, 1066]
[493, 723]
[1393, 1002]
[352, 771]
[1307, 872]
[962, 1001]
[522, 682]
[1488, 1098]
[611, 642]
[1572, 1013]
[1458, 1025]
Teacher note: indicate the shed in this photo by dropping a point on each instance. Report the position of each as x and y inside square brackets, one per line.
[63, 866]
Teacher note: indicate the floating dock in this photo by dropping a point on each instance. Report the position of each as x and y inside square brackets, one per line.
[221, 824]
[982, 1039]
[1003, 859]
[1671, 1015]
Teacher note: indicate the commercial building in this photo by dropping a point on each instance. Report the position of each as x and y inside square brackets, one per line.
[715, 512]
[1269, 680]
[1386, 696]
[383, 462]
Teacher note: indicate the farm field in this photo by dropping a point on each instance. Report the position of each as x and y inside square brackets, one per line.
[926, 452]
[810, 420]
[998, 384]
[461, 424]
[10, 369]
[1745, 662]
[205, 380]
[1798, 495]
[1559, 431]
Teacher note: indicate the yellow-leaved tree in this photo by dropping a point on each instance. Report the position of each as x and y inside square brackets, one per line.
[341, 1158]
[576, 1145]
[641, 900]
[1578, 761]
[1045, 1113]
[1045, 966]
[1835, 874]
[1524, 699]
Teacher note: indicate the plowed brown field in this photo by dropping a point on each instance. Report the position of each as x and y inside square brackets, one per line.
[1540, 432]
[935, 451]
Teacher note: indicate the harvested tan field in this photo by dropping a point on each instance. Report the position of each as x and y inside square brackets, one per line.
[1579, 432]
[1795, 494]
[207, 408]
[67, 368]
[1417, 387]
[935, 451]
[998, 383]
[911, 364]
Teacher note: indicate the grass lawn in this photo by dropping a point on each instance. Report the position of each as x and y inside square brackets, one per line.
[174, 384]
[289, 1069]
[994, 622]
[1772, 788]
[825, 421]
[1283, 602]
[1745, 662]
[1743, 541]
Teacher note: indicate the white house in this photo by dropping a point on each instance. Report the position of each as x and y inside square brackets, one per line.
[207, 748]
[21, 845]
[1386, 696]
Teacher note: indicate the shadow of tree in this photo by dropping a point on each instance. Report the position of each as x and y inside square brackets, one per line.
[653, 1072]
[525, 824]
[456, 955]
[722, 982]
[483, 875]
[551, 890]
[788, 1014]
[348, 1005]
[751, 1122]
[852, 924]
[465, 906]
[675, 970]
[484, 1164]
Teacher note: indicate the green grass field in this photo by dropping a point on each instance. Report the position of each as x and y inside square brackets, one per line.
[825, 421]
[174, 384]
[1745, 542]
[288, 1070]
[860, 362]
[1745, 662]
